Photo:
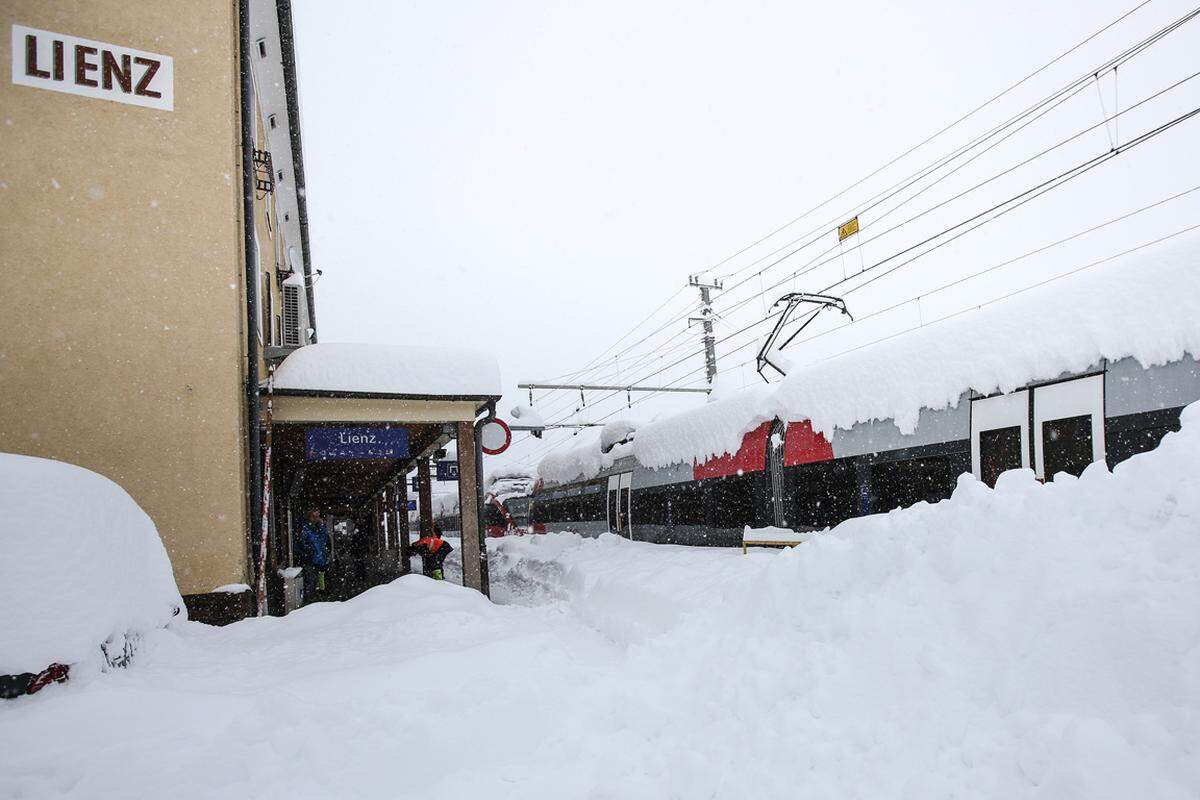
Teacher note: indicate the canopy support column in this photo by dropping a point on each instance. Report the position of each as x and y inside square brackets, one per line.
[424, 492]
[468, 509]
[402, 524]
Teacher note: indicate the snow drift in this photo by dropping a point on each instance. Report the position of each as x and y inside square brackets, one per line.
[82, 564]
[1032, 641]
[1028, 640]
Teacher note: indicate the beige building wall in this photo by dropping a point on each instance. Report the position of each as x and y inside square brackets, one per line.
[122, 310]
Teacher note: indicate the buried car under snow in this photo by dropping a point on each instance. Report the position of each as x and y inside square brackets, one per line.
[84, 573]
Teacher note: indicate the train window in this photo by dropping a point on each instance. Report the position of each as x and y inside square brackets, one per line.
[732, 501]
[571, 509]
[1067, 445]
[826, 494]
[1000, 413]
[1073, 413]
[999, 451]
[1123, 441]
[592, 507]
[492, 516]
[650, 508]
[518, 509]
[900, 484]
[687, 505]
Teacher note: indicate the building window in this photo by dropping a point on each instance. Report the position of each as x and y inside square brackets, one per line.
[265, 303]
[272, 122]
[262, 48]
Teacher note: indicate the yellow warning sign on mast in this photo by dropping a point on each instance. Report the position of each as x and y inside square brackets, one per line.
[847, 229]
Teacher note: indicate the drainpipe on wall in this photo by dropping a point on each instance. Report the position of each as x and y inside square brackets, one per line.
[253, 445]
[291, 86]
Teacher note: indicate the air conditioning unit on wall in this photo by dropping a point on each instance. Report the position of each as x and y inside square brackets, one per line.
[293, 334]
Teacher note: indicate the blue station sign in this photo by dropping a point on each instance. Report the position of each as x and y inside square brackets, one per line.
[447, 470]
[327, 444]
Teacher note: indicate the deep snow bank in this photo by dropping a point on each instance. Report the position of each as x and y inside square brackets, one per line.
[1027, 639]
[81, 563]
[1028, 642]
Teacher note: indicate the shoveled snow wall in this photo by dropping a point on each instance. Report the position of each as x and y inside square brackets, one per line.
[1031, 640]
[1144, 306]
[82, 564]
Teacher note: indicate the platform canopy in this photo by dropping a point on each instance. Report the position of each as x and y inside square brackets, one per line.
[415, 400]
[330, 381]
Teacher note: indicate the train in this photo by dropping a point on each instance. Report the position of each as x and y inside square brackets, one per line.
[787, 475]
[1103, 369]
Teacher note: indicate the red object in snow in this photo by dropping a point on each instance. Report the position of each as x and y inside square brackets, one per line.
[55, 673]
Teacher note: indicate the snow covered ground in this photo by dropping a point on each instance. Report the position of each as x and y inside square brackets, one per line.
[1032, 641]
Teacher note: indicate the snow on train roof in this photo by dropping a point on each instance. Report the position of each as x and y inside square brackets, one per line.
[1144, 305]
[389, 369]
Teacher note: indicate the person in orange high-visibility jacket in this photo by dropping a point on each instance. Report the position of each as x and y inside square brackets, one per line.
[432, 549]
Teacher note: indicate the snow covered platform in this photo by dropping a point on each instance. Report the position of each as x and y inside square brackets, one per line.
[1024, 642]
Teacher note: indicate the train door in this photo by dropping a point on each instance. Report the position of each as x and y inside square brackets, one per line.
[1068, 425]
[620, 496]
[614, 503]
[626, 491]
[999, 435]
[775, 470]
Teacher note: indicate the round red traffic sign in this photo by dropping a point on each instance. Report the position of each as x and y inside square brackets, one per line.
[494, 437]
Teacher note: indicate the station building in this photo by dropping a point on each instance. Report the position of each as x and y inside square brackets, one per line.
[157, 277]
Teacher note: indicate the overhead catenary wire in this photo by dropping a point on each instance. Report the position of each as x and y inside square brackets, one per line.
[1005, 206]
[1023, 289]
[658, 354]
[977, 306]
[1026, 196]
[1052, 100]
[1056, 98]
[932, 136]
[979, 185]
[1062, 177]
[1080, 82]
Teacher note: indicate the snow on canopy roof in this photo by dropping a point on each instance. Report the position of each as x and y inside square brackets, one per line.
[389, 369]
[1144, 305]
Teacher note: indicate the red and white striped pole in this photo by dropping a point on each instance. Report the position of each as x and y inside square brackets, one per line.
[261, 591]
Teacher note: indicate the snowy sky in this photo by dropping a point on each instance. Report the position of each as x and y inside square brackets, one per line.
[535, 178]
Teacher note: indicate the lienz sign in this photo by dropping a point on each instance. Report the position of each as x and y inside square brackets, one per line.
[61, 63]
[322, 444]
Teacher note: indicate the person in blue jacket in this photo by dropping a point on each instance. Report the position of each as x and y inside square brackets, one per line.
[314, 554]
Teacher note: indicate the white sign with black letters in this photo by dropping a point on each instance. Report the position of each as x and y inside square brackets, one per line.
[62, 63]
